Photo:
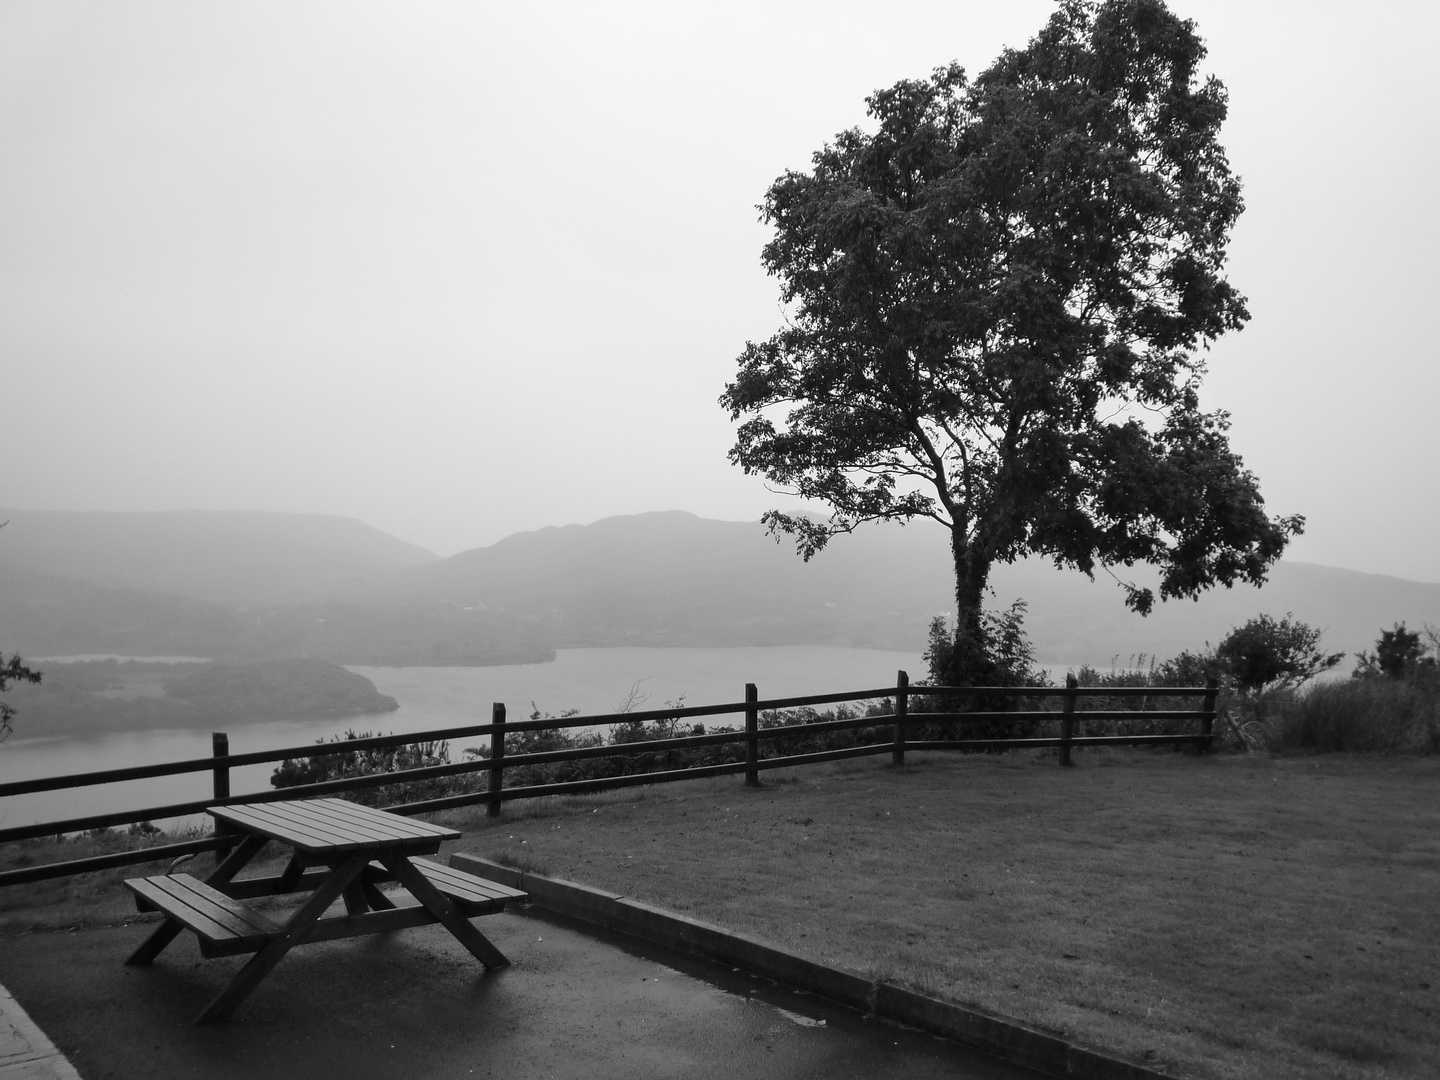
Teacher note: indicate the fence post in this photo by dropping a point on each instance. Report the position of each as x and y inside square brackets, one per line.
[902, 710]
[497, 756]
[1067, 721]
[1207, 723]
[220, 748]
[752, 744]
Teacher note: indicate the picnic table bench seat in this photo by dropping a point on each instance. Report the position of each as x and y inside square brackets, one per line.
[226, 925]
[472, 895]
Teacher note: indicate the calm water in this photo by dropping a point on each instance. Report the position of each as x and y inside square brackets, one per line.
[591, 680]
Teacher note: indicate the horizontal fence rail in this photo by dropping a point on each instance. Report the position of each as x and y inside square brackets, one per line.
[910, 719]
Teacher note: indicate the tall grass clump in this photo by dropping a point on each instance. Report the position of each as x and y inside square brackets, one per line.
[1360, 715]
[1390, 704]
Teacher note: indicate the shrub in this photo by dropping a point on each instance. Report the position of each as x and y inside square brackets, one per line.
[1187, 669]
[1365, 715]
[1004, 658]
[1265, 654]
[1399, 654]
[343, 764]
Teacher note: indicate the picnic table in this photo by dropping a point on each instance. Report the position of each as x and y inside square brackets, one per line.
[340, 850]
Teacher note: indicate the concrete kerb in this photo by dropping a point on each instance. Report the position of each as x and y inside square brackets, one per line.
[998, 1036]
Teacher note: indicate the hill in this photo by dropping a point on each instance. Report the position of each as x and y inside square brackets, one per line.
[49, 615]
[247, 587]
[673, 578]
[236, 558]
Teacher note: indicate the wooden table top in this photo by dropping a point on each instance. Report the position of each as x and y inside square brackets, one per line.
[334, 825]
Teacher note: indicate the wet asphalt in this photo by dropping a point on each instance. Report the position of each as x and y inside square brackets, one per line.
[414, 1004]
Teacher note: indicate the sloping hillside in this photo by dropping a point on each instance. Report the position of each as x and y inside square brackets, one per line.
[238, 558]
[263, 586]
[673, 578]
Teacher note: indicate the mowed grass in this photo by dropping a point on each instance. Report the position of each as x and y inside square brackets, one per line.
[1213, 916]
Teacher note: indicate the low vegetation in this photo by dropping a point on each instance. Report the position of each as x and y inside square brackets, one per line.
[871, 725]
[1273, 696]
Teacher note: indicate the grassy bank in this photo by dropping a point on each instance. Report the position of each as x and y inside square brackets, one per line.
[1216, 916]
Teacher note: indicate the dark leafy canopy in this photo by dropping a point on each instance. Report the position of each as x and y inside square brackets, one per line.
[988, 293]
[1267, 652]
[12, 670]
[1398, 653]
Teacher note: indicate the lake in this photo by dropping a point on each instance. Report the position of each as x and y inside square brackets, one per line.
[591, 680]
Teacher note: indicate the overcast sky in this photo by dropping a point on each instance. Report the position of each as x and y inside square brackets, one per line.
[461, 270]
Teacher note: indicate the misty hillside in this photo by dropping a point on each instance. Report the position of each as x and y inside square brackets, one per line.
[674, 578]
[329, 589]
[48, 615]
[237, 558]
[1075, 620]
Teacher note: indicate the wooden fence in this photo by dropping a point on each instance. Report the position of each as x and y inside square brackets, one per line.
[908, 709]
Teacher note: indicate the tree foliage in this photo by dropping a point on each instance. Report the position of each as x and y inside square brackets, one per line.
[1399, 653]
[12, 670]
[995, 304]
[1265, 653]
[1005, 658]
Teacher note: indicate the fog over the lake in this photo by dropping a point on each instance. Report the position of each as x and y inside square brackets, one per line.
[462, 270]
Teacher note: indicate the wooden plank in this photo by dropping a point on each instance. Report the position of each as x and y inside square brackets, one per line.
[340, 833]
[274, 950]
[178, 910]
[472, 895]
[372, 922]
[258, 818]
[477, 943]
[245, 888]
[364, 830]
[237, 860]
[168, 930]
[298, 826]
[481, 887]
[408, 828]
[308, 816]
[214, 917]
[242, 920]
[333, 811]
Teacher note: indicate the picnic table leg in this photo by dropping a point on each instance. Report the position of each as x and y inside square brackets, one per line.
[479, 945]
[261, 964]
[290, 876]
[370, 881]
[357, 898]
[155, 944]
[166, 932]
[236, 861]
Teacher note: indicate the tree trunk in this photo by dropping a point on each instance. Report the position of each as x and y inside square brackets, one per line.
[972, 572]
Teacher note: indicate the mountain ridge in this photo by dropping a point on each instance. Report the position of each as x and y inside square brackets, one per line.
[661, 578]
[234, 557]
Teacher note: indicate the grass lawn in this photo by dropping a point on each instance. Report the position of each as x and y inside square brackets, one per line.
[1215, 916]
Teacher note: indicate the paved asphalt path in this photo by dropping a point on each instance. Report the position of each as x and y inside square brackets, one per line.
[414, 1004]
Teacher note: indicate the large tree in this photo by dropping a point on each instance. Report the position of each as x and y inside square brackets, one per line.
[996, 308]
